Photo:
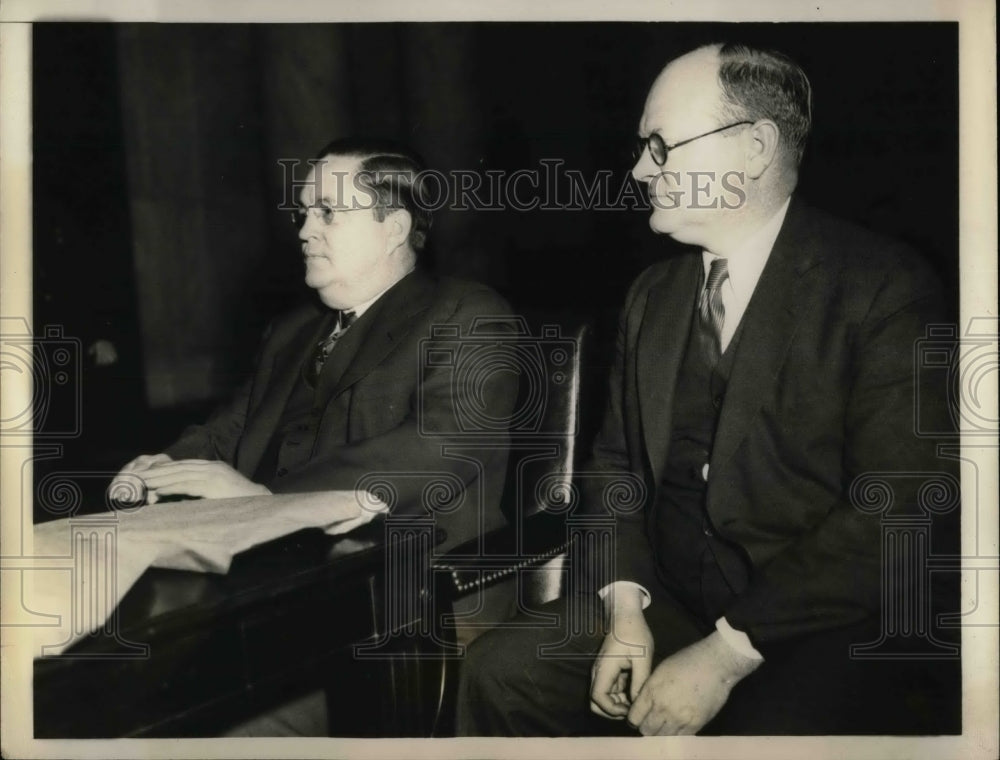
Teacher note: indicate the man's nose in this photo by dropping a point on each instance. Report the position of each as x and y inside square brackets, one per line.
[644, 169]
[307, 229]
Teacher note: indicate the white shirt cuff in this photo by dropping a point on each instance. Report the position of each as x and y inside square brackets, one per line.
[737, 639]
[646, 598]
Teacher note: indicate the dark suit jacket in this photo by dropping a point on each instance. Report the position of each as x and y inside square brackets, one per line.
[821, 392]
[387, 412]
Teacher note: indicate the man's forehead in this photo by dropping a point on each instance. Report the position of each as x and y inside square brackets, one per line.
[686, 91]
[331, 178]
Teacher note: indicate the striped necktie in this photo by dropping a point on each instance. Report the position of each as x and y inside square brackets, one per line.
[324, 348]
[711, 309]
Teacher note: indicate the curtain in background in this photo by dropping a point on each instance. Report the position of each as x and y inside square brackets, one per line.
[208, 113]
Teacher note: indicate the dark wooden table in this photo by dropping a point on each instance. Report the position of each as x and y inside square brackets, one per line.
[221, 648]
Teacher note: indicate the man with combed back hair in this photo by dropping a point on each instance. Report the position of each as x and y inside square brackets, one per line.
[339, 391]
[757, 376]
[341, 396]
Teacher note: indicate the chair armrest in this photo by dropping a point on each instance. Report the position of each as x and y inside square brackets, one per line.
[472, 566]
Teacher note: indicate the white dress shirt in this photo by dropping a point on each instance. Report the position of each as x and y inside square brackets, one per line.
[745, 265]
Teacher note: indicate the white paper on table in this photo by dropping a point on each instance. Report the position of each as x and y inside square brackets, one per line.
[87, 564]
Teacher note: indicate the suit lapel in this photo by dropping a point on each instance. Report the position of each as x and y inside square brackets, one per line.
[663, 336]
[343, 353]
[393, 320]
[769, 325]
[288, 363]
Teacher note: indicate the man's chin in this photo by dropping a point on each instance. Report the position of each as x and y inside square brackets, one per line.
[314, 283]
[316, 279]
[684, 231]
[332, 297]
[663, 222]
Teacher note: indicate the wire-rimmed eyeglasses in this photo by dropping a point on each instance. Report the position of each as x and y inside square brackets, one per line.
[659, 150]
[325, 213]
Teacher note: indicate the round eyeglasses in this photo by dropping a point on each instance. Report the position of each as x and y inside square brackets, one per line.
[659, 150]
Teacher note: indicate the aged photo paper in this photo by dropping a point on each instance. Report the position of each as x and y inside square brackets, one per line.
[921, 139]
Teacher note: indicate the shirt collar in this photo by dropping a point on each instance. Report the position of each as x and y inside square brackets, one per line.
[747, 262]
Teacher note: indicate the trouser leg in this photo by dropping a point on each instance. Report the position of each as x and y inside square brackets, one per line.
[535, 681]
[813, 685]
[511, 686]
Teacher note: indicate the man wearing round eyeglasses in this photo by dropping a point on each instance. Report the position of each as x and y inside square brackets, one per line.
[340, 392]
[758, 377]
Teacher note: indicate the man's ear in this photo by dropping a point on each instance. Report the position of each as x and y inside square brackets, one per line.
[764, 139]
[400, 222]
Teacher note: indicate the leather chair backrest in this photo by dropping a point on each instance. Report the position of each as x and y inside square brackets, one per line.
[528, 550]
[540, 466]
[546, 421]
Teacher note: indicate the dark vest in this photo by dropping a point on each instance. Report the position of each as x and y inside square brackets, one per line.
[292, 442]
[702, 570]
[294, 439]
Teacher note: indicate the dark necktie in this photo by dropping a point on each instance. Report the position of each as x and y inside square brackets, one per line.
[323, 349]
[711, 309]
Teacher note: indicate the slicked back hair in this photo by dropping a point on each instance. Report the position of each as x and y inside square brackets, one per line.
[765, 84]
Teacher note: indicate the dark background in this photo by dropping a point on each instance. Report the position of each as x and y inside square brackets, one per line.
[157, 185]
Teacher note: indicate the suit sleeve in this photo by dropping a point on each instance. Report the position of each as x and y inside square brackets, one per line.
[608, 472]
[218, 437]
[405, 455]
[832, 575]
